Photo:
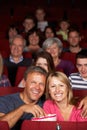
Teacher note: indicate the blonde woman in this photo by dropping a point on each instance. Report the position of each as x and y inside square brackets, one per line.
[59, 98]
[4, 81]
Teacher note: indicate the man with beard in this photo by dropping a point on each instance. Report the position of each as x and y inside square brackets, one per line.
[74, 39]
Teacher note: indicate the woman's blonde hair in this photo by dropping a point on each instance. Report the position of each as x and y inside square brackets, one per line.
[1, 65]
[63, 78]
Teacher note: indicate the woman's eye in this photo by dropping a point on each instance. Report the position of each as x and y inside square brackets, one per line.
[52, 86]
[61, 85]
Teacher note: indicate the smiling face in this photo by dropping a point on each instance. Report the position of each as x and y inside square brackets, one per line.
[49, 33]
[34, 86]
[34, 39]
[17, 47]
[28, 24]
[58, 90]
[74, 39]
[81, 64]
[42, 62]
[64, 25]
[53, 50]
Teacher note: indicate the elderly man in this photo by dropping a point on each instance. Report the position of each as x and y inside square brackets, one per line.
[16, 58]
[26, 104]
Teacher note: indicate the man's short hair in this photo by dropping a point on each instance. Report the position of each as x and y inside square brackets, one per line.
[33, 69]
[82, 54]
[18, 36]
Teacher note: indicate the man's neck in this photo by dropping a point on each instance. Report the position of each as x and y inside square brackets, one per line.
[16, 59]
[75, 49]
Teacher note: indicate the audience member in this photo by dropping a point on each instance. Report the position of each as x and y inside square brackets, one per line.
[28, 23]
[12, 32]
[44, 60]
[16, 58]
[79, 80]
[74, 39]
[4, 81]
[49, 32]
[64, 28]
[17, 107]
[40, 16]
[54, 47]
[60, 96]
[33, 41]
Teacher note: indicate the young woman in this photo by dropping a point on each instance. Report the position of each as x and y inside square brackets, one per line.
[59, 95]
[49, 32]
[44, 60]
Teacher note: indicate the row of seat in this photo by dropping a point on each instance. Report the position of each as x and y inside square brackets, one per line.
[47, 125]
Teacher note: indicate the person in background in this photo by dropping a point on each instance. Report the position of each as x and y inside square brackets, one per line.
[44, 60]
[33, 41]
[16, 58]
[74, 39]
[28, 23]
[12, 32]
[79, 80]
[49, 32]
[64, 28]
[54, 47]
[21, 106]
[40, 16]
[59, 99]
[4, 81]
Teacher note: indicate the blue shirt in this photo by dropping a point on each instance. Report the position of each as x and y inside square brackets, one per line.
[10, 102]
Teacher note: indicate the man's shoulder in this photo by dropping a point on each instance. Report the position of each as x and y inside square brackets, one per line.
[74, 74]
[10, 96]
[26, 61]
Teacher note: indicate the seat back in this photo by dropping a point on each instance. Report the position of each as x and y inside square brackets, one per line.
[36, 125]
[51, 125]
[69, 56]
[4, 125]
[9, 90]
[20, 74]
[79, 93]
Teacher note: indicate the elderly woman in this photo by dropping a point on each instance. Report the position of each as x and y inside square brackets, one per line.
[54, 46]
[59, 95]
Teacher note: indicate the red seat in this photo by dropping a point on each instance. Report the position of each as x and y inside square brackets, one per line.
[9, 90]
[69, 56]
[20, 74]
[4, 45]
[27, 55]
[80, 93]
[5, 70]
[4, 125]
[36, 125]
[50, 125]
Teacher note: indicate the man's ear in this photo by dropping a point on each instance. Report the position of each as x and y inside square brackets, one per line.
[24, 83]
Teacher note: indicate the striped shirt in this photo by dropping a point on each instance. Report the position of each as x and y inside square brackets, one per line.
[77, 81]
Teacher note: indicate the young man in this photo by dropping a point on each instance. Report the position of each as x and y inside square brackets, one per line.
[17, 107]
[79, 79]
[16, 58]
[74, 39]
